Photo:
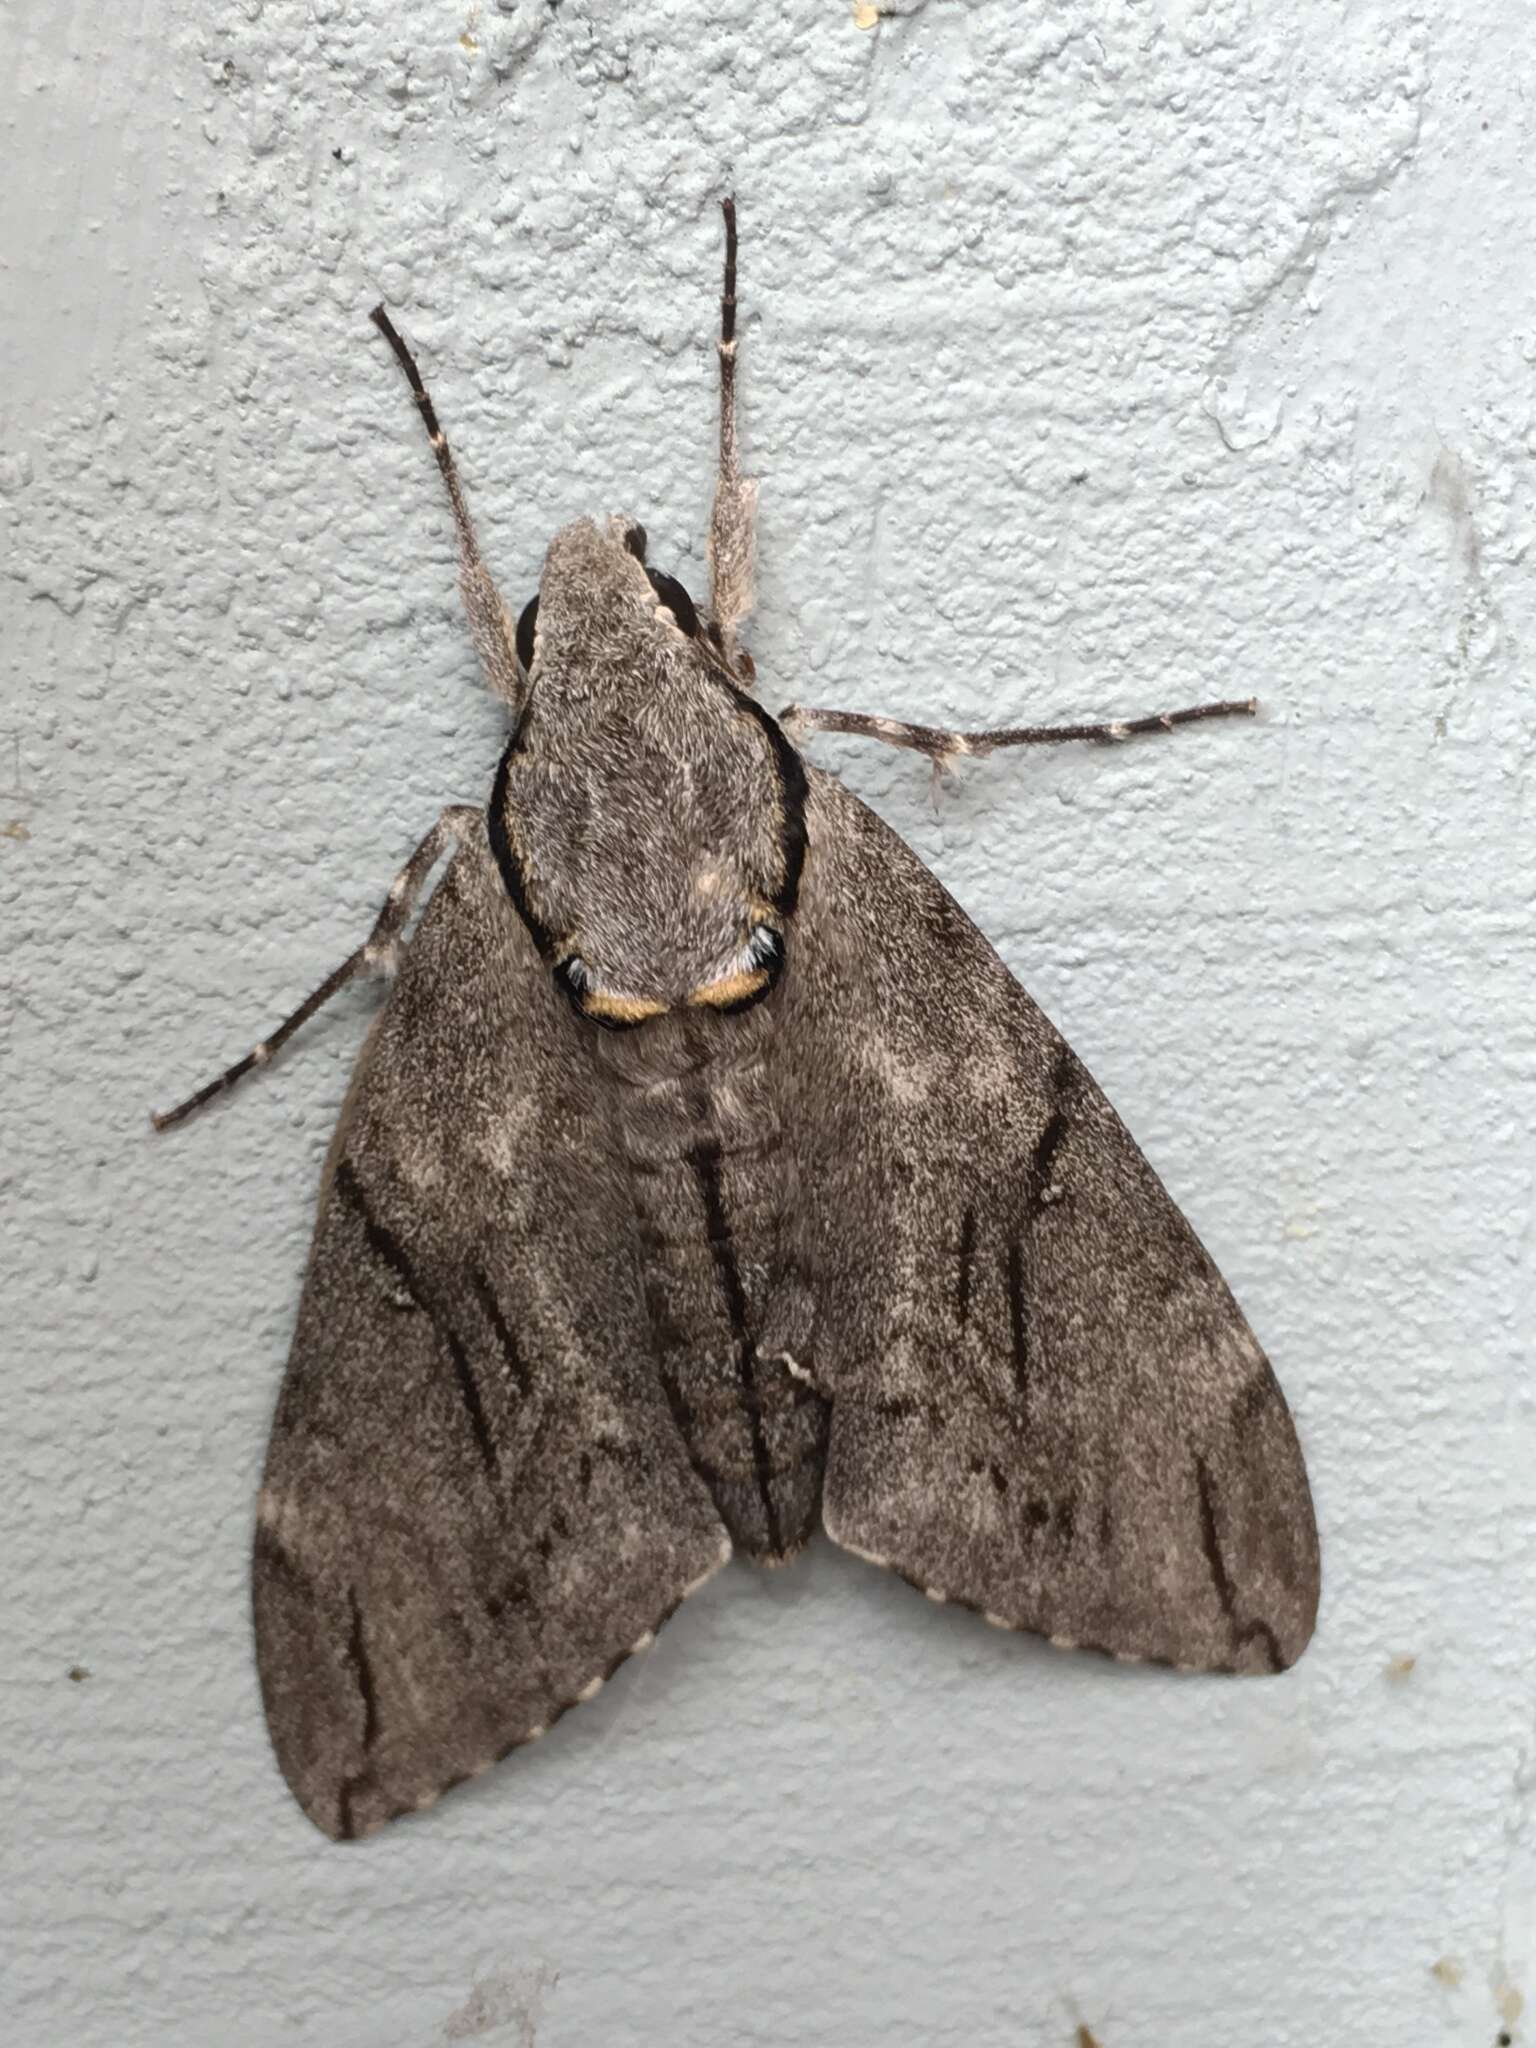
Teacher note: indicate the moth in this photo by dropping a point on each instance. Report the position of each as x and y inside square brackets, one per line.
[706, 1179]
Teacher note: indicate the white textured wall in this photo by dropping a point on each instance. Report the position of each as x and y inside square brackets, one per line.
[1099, 357]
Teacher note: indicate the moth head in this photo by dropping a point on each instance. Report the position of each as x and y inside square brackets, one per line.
[602, 616]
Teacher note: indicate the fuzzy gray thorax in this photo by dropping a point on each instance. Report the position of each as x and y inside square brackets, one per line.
[647, 813]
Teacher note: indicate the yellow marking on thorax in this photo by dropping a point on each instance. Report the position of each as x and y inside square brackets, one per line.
[731, 988]
[625, 1009]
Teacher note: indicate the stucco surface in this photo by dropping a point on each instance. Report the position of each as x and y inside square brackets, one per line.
[1098, 358]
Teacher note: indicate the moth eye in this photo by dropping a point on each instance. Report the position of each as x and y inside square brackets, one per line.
[676, 600]
[634, 540]
[525, 626]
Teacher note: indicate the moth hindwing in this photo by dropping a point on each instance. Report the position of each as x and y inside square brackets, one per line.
[707, 1179]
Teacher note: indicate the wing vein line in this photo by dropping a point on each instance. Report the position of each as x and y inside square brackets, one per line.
[388, 1248]
[967, 1255]
[1018, 1323]
[516, 1364]
[362, 1670]
[1226, 1592]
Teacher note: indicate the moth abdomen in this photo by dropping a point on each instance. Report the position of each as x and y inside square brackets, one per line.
[702, 1144]
[757, 1438]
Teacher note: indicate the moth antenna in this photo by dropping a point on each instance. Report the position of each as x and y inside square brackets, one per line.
[377, 954]
[729, 462]
[732, 538]
[943, 747]
[490, 624]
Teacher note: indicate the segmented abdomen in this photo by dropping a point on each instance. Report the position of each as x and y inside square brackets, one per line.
[702, 1148]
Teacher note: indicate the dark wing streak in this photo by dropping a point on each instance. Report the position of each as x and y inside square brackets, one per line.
[486, 1296]
[1064, 1072]
[667, 1336]
[1018, 1324]
[388, 1247]
[356, 1655]
[705, 1160]
[967, 1254]
[362, 1670]
[1047, 1146]
[1245, 1632]
[684, 1421]
[1037, 1184]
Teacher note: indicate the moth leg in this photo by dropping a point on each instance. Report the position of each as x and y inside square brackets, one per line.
[490, 626]
[377, 955]
[732, 541]
[943, 747]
